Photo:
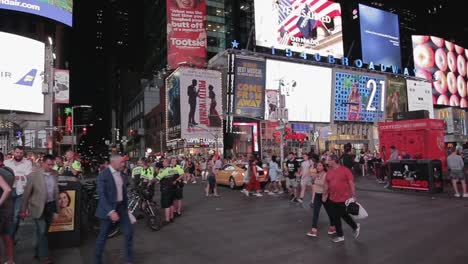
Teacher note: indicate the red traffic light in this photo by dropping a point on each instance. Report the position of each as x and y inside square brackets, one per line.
[132, 132]
[84, 130]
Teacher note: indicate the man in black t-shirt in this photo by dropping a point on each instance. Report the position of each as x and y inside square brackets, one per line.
[292, 165]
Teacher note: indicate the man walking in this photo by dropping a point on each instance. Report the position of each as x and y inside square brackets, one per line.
[192, 94]
[22, 168]
[338, 188]
[41, 197]
[455, 165]
[112, 207]
[7, 178]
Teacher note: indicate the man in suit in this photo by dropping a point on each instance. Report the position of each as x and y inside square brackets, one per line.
[113, 207]
[41, 197]
[192, 96]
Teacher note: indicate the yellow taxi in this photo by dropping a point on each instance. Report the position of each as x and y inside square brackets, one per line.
[234, 175]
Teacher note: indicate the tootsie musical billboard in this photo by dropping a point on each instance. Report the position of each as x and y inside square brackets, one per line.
[186, 33]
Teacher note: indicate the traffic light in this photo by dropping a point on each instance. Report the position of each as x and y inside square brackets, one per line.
[132, 132]
[84, 131]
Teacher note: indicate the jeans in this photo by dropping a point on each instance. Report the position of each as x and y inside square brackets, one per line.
[42, 229]
[338, 211]
[17, 200]
[125, 227]
[317, 205]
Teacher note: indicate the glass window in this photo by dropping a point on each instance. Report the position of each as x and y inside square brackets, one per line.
[29, 138]
[228, 168]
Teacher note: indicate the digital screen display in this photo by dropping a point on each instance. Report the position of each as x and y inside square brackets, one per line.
[21, 73]
[359, 97]
[380, 36]
[444, 64]
[307, 90]
[58, 10]
[313, 26]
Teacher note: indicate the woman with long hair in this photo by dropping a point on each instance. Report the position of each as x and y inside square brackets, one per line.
[253, 182]
[354, 104]
[319, 182]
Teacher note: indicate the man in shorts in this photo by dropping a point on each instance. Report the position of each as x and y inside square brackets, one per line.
[306, 178]
[455, 165]
[292, 166]
[166, 180]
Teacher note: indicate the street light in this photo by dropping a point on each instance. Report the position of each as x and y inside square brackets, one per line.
[73, 122]
[50, 41]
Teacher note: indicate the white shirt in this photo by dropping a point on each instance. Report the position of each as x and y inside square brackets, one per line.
[118, 183]
[21, 169]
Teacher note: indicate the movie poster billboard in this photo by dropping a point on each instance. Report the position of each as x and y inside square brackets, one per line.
[359, 97]
[420, 96]
[200, 103]
[61, 86]
[396, 100]
[65, 220]
[186, 33]
[445, 65]
[249, 87]
[313, 26]
[173, 107]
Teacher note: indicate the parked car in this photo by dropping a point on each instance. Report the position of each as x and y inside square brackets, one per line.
[234, 175]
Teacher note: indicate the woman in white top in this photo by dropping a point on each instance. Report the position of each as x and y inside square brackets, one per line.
[273, 172]
[319, 182]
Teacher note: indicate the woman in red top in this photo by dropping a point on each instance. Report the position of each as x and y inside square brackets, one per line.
[253, 182]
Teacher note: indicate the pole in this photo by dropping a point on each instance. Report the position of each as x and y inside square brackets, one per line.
[281, 146]
[160, 141]
[73, 129]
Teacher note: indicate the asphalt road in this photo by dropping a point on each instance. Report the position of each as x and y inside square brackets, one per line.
[402, 228]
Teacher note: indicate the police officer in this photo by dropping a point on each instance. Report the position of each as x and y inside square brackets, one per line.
[179, 186]
[72, 167]
[148, 171]
[136, 172]
[166, 179]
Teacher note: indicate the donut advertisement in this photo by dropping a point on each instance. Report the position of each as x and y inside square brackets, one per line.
[445, 64]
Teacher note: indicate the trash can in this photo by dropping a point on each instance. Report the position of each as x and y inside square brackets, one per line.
[64, 231]
[418, 175]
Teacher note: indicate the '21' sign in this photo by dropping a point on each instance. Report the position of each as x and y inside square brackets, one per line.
[372, 85]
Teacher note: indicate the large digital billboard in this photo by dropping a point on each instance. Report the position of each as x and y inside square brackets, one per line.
[21, 73]
[380, 36]
[359, 97]
[249, 90]
[312, 26]
[58, 10]
[443, 63]
[173, 106]
[186, 33]
[307, 89]
[396, 99]
[420, 96]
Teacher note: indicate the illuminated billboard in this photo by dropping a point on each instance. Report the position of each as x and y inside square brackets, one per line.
[443, 63]
[380, 36]
[21, 73]
[58, 10]
[307, 89]
[312, 26]
[359, 97]
[186, 33]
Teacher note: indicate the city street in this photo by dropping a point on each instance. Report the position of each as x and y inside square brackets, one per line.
[402, 228]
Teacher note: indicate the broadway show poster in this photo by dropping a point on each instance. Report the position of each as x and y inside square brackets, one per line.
[65, 219]
[173, 107]
[61, 86]
[186, 33]
[396, 100]
[200, 103]
[271, 112]
[250, 87]
[358, 97]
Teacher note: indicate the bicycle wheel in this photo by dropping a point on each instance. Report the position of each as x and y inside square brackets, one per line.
[154, 217]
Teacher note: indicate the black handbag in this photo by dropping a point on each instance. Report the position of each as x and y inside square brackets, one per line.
[352, 208]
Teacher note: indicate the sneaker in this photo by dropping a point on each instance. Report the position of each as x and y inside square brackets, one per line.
[312, 233]
[271, 194]
[280, 192]
[300, 200]
[266, 191]
[293, 199]
[244, 191]
[338, 239]
[194, 182]
[185, 182]
[331, 230]
[465, 195]
[356, 232]
[258, 194]
[457, 195]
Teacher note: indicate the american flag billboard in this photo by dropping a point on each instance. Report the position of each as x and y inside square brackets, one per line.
[310, 26]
